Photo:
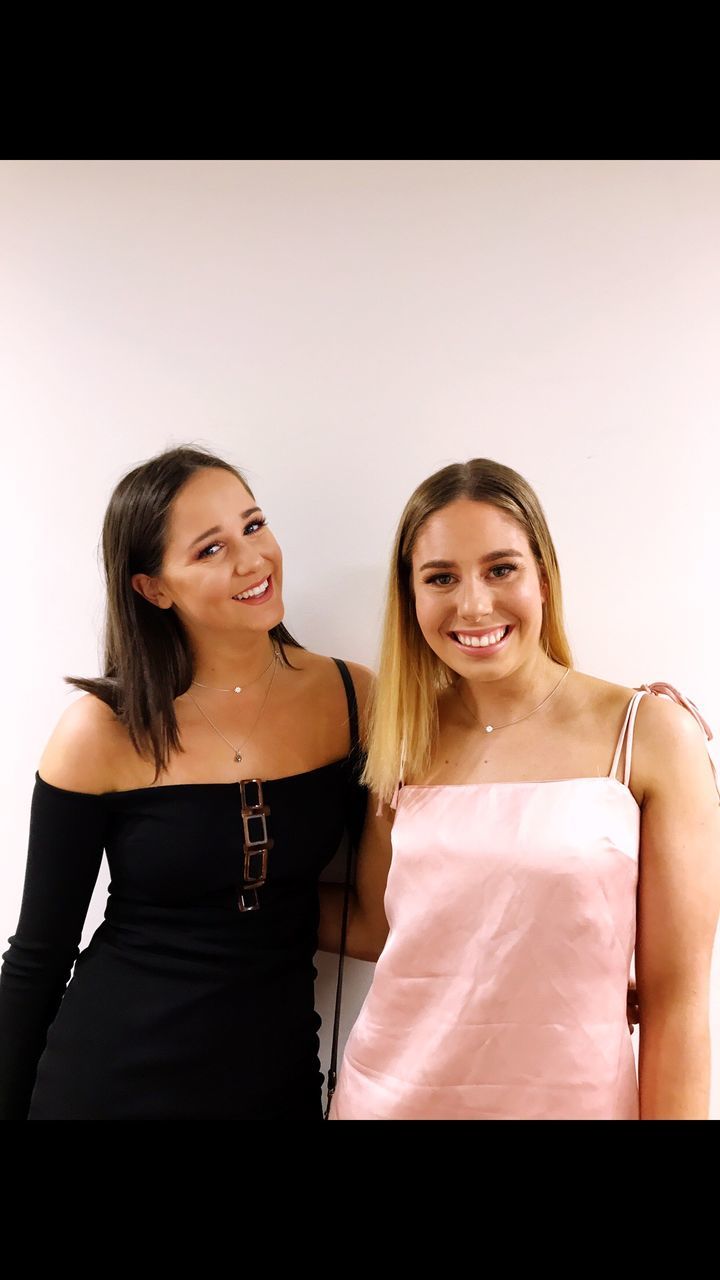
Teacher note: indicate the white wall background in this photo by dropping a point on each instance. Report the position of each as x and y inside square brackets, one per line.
[340, 329]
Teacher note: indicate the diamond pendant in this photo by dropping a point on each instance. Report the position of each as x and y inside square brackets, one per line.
[237, 689]
[238, 757]
[488, 728]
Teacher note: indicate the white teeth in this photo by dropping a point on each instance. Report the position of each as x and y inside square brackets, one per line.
[256, 591]
[481, 642]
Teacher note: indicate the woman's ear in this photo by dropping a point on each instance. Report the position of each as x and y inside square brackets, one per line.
[151, 589]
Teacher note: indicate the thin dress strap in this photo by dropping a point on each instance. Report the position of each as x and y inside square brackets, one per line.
[393, 802]
[401, 778]
[352, 706]
[356, 814]
[626, 737]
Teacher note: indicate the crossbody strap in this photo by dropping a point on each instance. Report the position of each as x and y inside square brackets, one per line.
[353, 836]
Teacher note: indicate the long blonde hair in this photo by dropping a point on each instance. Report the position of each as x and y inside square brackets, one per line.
[404, 716]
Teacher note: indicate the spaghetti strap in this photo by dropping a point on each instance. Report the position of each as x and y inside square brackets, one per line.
[400, 782]
[352, 707]
[393, 801]
[660, 689]
[626, 737]
[630, 734]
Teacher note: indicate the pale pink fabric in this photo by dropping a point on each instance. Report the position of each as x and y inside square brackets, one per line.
[501, 992]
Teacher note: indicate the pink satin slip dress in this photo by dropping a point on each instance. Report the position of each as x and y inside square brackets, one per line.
[501, 991]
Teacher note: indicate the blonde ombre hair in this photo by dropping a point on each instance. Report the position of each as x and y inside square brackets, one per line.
[404, 717]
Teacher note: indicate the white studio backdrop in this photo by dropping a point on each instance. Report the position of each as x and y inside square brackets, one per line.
[339, 330]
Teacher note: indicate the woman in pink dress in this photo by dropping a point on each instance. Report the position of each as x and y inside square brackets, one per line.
[539, 826]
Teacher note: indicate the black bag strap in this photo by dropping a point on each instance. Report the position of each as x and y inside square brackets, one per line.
[357, 810]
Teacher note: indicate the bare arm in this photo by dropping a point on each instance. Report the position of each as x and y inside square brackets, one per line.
[367, 926]
[678, 904]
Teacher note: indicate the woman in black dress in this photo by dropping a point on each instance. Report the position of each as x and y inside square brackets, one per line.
[194, 999]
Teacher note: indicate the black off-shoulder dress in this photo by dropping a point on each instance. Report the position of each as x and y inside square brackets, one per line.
[182, 1007]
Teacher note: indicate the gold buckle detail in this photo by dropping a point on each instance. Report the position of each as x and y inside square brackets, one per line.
[256, 843]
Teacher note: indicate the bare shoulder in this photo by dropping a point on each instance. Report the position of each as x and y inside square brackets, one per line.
[83, 746]
[669, 744]
[668, 741]
[318, 663]
[600, 699]
[364, 680]
[324, 672]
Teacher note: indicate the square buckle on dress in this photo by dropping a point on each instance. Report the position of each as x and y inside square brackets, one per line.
[256, 843]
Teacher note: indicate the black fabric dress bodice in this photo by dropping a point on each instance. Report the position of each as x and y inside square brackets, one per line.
[182, 1006]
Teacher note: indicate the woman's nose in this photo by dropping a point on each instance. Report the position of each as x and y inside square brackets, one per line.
[476, 602]
[248, 560]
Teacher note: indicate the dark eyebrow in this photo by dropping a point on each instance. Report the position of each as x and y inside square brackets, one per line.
[450, 564]
[218, 528]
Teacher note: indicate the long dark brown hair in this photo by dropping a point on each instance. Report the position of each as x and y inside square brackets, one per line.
[148, 656]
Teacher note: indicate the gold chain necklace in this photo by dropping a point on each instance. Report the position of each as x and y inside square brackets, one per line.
[239, 688]
[493, 728]
[237, 752]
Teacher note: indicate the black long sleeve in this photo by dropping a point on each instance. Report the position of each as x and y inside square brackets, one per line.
[65, 851]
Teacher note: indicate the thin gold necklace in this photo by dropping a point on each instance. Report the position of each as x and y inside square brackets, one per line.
[237, 751]
[239, 688]
[493, 728]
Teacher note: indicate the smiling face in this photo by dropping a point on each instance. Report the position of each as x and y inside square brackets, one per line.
[222, 568]
[478, 590]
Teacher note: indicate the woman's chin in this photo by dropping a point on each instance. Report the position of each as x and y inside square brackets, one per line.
[276, 617]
